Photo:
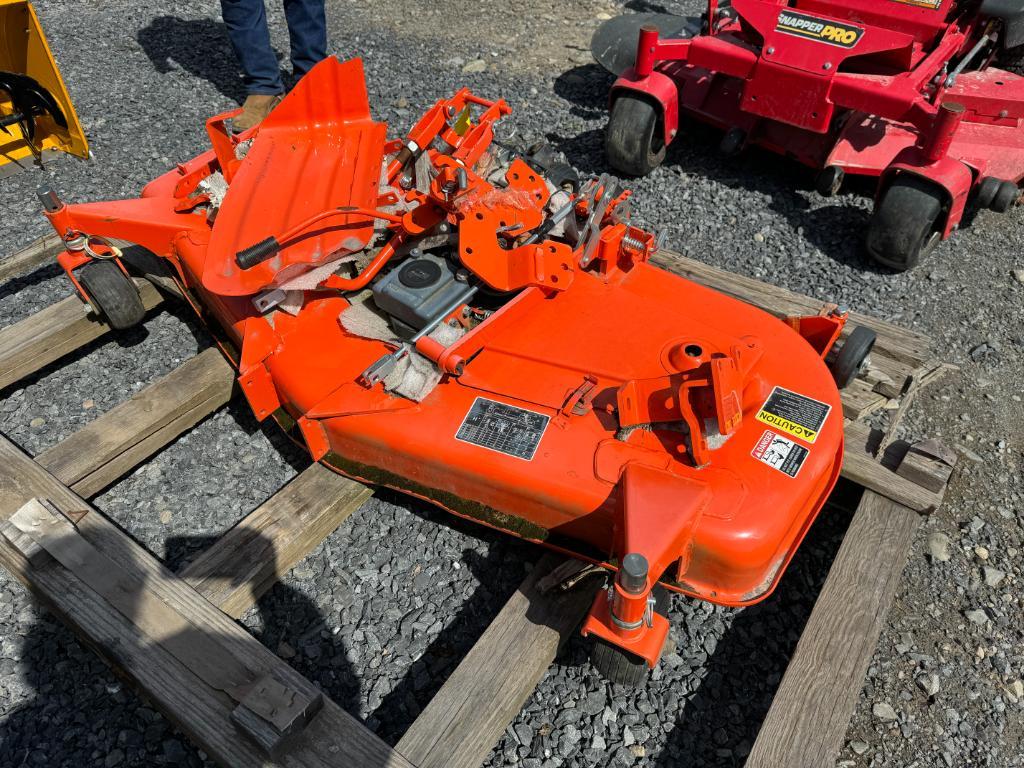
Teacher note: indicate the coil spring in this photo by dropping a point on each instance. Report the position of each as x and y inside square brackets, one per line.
[633, 243]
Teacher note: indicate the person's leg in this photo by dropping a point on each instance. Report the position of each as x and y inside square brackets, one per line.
[307, 30]
[246, 21]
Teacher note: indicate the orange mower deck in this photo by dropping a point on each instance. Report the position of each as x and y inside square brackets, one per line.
[578, 396]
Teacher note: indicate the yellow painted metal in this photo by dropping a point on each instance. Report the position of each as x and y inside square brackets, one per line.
[24, 50]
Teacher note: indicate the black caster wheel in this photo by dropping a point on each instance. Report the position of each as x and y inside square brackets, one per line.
[997, 195]
[829, 180]
[634, 143]
[1005, 197]
[852, 356]
[622, 667]
[733, 142]
[987, 190]
[905, 225]
[112, 294]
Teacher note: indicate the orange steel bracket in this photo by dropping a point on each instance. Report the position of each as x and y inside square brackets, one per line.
[822, 330]
[660, 512]
[516, 210]
[224, 143]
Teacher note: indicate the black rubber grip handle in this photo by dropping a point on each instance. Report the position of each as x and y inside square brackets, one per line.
[258, 253]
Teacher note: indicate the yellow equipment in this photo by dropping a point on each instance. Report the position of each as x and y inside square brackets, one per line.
[36, 114]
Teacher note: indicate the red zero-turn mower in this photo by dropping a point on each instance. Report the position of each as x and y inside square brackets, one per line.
[924, 94]
[477, 326]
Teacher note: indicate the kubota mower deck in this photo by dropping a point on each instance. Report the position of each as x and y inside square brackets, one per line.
[926, 96]
[173, 636]
[477, 326]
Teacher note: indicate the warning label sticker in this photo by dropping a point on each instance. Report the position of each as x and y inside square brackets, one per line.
[780, 453]
[794, 414]
[503, 428]
[811, 27]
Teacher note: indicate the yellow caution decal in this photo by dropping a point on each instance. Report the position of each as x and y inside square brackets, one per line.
[794, 414]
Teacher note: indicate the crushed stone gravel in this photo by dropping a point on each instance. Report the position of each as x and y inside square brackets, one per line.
[380, 627]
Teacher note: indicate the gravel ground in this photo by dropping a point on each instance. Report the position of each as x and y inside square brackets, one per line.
[381, 627]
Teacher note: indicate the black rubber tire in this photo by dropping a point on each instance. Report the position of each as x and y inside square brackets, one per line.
[905, 225]
[988, 188]
[622, 667]
[830, 180]
[112, 293]
[1004, 198]
[851, 356]
[733, 142]
[634, 143]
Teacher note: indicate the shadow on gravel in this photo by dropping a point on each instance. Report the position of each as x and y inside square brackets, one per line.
[498, 574]
[289, 624]
[39, 275]
[296, 455]
[198, 46]
[835, 229]
[720, 721]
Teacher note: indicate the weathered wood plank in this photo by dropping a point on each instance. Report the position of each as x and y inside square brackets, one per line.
[859, 398]
[811, 710]
[246, 561]
[860, 466]
[102, 451]
[26, 259]
[48, 335]
[898, 343]
[184, 676]
[464, 720]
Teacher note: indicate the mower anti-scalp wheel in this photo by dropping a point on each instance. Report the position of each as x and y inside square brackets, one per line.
[905, 226]
[622, 667]
[112, 293]
[829, 180]
[852, 356]
[634, 143]
[1004, 198]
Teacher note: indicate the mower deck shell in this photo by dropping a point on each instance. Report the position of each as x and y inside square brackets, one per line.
[722, 518]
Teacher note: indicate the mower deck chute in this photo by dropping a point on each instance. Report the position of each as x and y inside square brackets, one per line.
[481, 328]
[889, 90]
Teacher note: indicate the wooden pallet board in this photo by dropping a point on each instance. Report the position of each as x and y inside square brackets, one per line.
[466, 717]
[52, 333]
[811, 710]
[38, 252]
[182, 652]
[124, 437]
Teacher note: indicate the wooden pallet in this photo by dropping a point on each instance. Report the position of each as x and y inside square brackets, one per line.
[174, 634]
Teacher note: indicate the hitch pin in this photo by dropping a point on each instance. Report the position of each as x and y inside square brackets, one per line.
[383, 367]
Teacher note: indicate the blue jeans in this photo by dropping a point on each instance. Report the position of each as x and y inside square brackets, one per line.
[246, 21]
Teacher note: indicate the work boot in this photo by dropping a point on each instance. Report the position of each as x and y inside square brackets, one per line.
[256, 107]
